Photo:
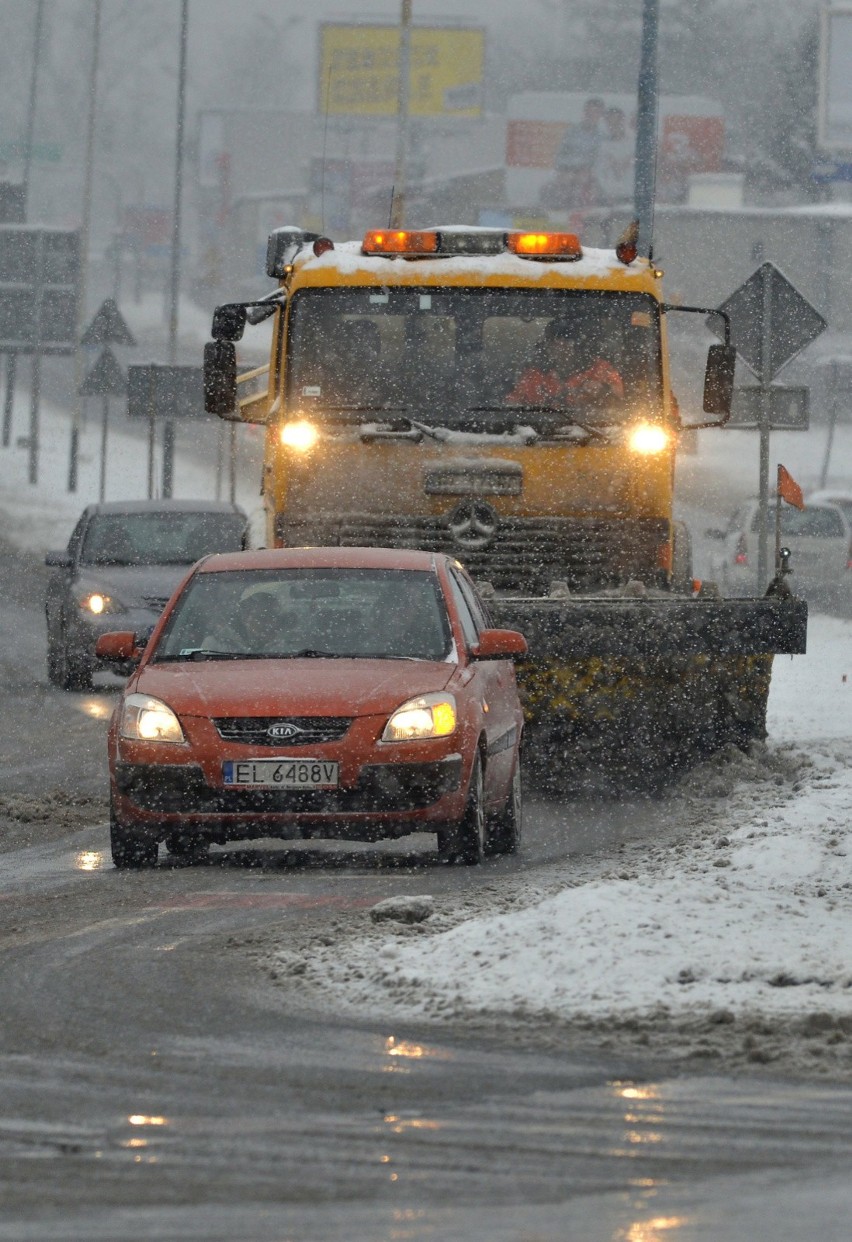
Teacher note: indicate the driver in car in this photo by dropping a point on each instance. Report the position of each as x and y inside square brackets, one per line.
[571, 372]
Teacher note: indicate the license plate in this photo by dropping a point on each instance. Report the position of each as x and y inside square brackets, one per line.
[281, 773]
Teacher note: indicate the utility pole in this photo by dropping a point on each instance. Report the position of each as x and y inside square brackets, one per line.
[12, 358]
[646, 129]
[31, 108]
[174, 286]
[85, 231]
[397, 213]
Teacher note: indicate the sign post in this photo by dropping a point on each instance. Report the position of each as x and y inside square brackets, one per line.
[106, 379]
[176, 392]
[39, 290]
[771, 322]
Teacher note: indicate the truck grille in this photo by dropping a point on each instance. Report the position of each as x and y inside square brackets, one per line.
[307, 730]
[524, 554]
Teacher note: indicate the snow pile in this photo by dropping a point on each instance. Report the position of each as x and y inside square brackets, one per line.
[735, 940]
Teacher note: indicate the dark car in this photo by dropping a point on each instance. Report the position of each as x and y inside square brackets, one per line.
[353, 693]
[123, 561]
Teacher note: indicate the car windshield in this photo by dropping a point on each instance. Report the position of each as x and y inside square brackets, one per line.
[309, 613]
[164, 538]
[810, 521]
[473, 359]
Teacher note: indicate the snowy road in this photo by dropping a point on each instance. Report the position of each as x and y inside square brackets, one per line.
[170, 1068]
[237, 1050]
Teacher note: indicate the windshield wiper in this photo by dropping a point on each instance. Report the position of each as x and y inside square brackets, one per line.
[565, 418]
[360, 409]
[208, 653]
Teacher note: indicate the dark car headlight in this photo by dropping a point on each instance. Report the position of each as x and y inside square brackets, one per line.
[98, 603]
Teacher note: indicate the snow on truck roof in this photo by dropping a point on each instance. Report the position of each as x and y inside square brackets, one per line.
[347, 260]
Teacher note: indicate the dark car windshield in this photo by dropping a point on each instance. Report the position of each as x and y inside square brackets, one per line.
[308, 613]
[810, 521]
[462, 358]
[164, 538]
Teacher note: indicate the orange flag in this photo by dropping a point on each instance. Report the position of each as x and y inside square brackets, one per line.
[789, 490]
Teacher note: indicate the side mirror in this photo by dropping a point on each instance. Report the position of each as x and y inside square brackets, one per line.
[229, 322]
[119, 647]
[59, 560]
[220, 378]
[719, 380]
[499, 645]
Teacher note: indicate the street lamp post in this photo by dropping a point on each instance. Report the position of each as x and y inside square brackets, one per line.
[174, 285]
[85, 230]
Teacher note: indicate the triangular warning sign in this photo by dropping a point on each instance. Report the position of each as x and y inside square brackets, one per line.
[106, 378]
[108, 327]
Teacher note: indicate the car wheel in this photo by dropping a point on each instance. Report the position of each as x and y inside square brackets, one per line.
[464, 842]
[504, 830]
[185, 845]
[131, 848]
[55, 663]
[72, 672]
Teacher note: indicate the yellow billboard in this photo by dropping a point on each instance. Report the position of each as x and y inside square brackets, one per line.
[359, 70]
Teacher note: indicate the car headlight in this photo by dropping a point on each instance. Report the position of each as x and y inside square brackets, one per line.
[648, 438]
[144, 719]
[430, 715]
[97, 603]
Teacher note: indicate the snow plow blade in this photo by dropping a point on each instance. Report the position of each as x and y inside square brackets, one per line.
[657, 626]
[629, 693]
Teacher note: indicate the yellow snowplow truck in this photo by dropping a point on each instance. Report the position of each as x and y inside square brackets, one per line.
[413, 399]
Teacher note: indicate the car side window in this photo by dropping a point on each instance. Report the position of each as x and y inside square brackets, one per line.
[475, 604]
[468, 624]
[77, 536]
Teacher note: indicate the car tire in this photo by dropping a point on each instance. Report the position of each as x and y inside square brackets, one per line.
[504, 830]
[55, 663]
[464, 842]
[132, 849]
[186, 845]
[64, 670]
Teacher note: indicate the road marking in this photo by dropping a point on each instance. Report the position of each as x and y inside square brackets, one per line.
[260, 901]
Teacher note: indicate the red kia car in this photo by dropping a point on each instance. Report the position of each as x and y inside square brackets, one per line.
[355, 693]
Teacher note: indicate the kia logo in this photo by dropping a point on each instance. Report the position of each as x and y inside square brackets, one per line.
[283, 730]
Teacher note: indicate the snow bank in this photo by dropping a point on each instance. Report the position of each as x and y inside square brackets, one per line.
[744, 924]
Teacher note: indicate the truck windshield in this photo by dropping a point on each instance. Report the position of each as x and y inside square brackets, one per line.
[483, 359]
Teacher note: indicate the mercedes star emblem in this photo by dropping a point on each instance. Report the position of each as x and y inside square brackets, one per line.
[473, 524]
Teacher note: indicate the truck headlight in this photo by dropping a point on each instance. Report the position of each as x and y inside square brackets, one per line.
[648, 438]
[430, 715]
[301, 436]
[145, 719]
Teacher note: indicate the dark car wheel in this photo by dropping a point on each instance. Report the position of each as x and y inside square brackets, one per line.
[131, 849]
[55, 663]
[464, 842]
[504, 830]
[64, 669]
[186, 845]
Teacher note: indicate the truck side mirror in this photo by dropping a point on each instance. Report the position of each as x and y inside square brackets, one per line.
[220, 378]
[719, 380]
[229, 322]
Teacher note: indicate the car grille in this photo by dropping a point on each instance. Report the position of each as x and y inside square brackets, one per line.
[254, 730]
[157, 602]
[525, 553]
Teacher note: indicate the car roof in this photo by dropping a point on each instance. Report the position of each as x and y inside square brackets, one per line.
[323, 558]
[164, 506]
[829, 496]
